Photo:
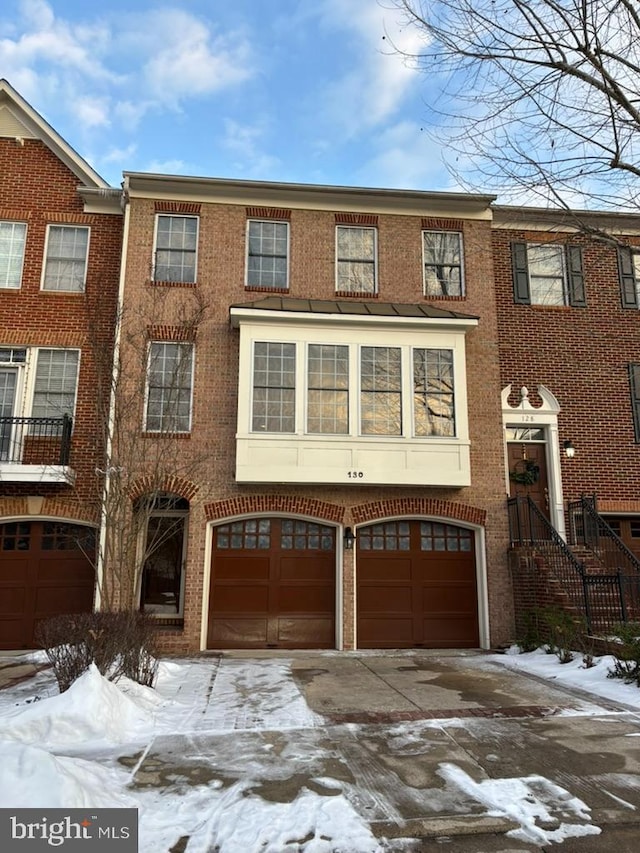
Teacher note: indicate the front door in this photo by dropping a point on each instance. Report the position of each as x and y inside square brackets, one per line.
[528, 473]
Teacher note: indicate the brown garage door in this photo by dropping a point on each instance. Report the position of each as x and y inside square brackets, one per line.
[416, 586]
[46, 568]
[272, 585]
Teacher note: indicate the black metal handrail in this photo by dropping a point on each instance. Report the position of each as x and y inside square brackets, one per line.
[531, 529]
[35, 441]
[587, 527]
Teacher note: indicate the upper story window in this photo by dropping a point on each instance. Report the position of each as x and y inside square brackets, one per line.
[65, 263]
[442, 257]
[350, 389]
[268, 254]
[629, 272]
[548, 274]
[56, 381]
[12, 242]
[169, 387]
[176, 248]
[356, 250]
[36, 383]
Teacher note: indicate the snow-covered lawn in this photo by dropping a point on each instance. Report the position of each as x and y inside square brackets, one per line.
[87, 746]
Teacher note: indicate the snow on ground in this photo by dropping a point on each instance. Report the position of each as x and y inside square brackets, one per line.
[574, 674]
[67, 750]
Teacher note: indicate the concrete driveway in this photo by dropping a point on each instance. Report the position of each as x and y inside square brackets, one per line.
[437, 751]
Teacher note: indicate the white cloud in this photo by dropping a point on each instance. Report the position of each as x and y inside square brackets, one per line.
[93, 112]
[120, 156]
[379, 78]
[181, 56]
[407, 158]
[244, 141]
[166, 167]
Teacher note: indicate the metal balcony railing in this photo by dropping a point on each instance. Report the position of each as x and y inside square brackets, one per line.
[35, 441]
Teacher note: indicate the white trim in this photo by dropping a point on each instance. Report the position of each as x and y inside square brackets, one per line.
[246, 254]
[45, 259]
[424, 263]
[145, 412]
[545, 417]
[350, 226]
[170, 215]
[117, 340]
[9, 287]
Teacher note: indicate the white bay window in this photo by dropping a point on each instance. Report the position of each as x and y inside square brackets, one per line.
[338, 398]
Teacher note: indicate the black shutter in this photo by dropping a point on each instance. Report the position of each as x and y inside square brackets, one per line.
[575, 277]
[521, 293]
[628, 288]
[634, 384]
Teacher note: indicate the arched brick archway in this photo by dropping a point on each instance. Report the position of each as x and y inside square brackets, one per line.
[239, 506]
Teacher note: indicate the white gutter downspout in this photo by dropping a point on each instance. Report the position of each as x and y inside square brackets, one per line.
[100, 568]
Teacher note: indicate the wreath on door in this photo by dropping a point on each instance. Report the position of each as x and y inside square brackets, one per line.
[526, 472]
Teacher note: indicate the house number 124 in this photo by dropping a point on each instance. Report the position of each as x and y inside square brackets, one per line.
[355, 475]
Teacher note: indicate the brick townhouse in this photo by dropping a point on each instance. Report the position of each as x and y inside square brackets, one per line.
[325, 396]
[323, 452]
[567, 291]
[60, 248]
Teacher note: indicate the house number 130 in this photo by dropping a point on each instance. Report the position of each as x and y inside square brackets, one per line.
[355, 475]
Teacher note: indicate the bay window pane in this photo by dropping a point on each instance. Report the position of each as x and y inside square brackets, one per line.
[433, 392]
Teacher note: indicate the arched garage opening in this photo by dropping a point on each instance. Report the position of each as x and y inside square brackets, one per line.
[273, 584]
[46, 568]
[416, 585]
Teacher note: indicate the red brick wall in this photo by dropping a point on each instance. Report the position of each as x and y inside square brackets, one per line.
[581, 355]
[221, 270]
[38, 189]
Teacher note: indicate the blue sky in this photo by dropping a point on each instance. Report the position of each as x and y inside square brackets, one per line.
[283, 90]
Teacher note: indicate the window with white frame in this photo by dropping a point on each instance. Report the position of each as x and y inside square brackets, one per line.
[169, 387]
[176, 248]
[380, 391]
[442, 255]
[356, 250]
[65, 263]
[56, 382]
[396, 390]
[274, 384]
[548, 274]
[267, 254]
[433, 400]
[12, 242]
[35, 383]
[328, 389]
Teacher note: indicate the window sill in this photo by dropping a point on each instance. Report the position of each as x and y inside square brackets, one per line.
[256, 288]
[356, 294]
[180, 435]
[540, 307]
[442, 298]
[168, 623]
[154, 283]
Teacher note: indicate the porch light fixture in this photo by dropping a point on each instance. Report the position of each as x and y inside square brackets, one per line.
[569, 449]
[348, 539]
